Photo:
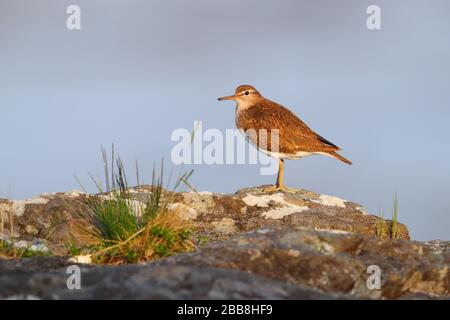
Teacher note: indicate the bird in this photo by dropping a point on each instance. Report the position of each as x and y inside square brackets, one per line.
[256, 116]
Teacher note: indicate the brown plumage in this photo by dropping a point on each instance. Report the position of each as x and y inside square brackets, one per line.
[256, 114]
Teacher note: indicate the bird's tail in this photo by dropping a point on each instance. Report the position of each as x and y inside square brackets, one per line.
[339, 157]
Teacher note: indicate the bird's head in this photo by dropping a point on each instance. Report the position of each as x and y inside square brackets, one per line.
[245, 96]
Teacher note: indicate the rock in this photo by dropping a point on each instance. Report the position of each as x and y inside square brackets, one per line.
[59, 217]
[296, 245]
[22, 297]
[29, 266]
[55, 217]
[225, 226]
[332, 262]
[183, 210]
[252, 208]
[154, 282]
[31, 230]
[269, 263]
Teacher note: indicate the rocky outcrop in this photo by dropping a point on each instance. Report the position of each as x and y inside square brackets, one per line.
[251, 245]
[267, 263]
[55, 218]
[221, 216]
[333, 261]
[50, 219]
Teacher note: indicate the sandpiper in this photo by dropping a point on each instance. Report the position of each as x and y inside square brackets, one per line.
[295, 140]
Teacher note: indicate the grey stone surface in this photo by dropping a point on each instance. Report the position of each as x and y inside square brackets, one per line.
[298, 245]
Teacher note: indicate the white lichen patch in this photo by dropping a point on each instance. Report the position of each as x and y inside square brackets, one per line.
[21, 244]
[325, 248]
[263, 231]
[362, 210]
[263, 201]
[18, 206]
[293, 253]
[331, 201]
[138, 207]
[279, 213]
[38, 247]
[138, 190]
[184, 211]
[333, 231]
[208, 193]
[201, 203]
[284, 208]
[107, 196]
[75, 193]
[86, 259]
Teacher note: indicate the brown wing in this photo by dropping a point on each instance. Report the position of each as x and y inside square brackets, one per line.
[294, 134]
[327, 142]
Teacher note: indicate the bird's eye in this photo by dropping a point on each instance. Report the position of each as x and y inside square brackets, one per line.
[246, 93]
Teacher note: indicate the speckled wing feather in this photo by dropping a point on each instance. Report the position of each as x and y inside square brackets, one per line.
[294, 134]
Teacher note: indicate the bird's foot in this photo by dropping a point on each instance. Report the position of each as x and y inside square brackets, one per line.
[283, 188]
[268, 189]
[287, 189]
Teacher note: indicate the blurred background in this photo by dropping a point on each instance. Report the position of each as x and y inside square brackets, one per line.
[137, 70]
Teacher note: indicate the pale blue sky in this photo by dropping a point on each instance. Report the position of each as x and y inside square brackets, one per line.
[140, 69]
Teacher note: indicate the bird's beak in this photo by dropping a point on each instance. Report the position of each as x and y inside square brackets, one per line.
[233, 97]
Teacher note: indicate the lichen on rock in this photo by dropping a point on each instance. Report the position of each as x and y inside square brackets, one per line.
[279, 245]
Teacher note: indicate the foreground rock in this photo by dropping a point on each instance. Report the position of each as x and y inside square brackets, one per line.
[268, 263]
[332, 261]
[154, 282]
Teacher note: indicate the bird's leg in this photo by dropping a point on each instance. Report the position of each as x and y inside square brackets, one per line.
[279, 185]
[280, 179]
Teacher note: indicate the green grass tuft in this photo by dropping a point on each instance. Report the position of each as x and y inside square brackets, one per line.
[394, 223]
[388, 229]
[381, 230]
[130, 231]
